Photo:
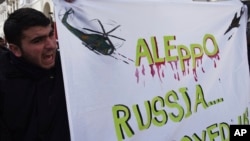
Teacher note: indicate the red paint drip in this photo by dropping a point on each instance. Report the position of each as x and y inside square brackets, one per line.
[143, 70]
[176, 66]
[203, 70]
[158, 67]
[162, 73]
[195, 75]
[152, 70]
[137, 75]
[184, 73]
[178, 76]
[171, 65]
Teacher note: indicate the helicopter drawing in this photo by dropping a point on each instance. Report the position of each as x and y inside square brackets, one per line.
[97, 41]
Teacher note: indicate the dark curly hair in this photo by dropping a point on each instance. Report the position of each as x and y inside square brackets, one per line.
[21, 20]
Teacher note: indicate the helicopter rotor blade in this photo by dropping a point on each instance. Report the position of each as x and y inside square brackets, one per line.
[113, 29]
[117, 37]
[110, 42]
[69, 11]
[101, 26]
[92, 30]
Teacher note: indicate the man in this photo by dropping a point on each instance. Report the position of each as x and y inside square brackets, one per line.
[32, 97]
[2, 45]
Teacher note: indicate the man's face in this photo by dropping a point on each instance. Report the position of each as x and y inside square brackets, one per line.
[38, 46]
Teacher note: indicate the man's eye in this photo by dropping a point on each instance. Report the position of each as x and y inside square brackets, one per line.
[37, 40]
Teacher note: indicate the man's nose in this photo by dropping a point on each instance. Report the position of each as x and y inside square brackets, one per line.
[51, 42]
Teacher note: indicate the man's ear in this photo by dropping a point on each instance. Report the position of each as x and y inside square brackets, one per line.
[15, 50]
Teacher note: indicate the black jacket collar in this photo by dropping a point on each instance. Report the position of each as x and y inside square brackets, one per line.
[29, 70]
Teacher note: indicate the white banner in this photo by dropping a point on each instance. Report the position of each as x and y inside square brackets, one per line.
[147, 70]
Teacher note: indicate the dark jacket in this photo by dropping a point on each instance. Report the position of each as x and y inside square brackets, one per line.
[3, 49]
[32, 102]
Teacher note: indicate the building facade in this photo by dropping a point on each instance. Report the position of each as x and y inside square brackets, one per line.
[8, 6]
